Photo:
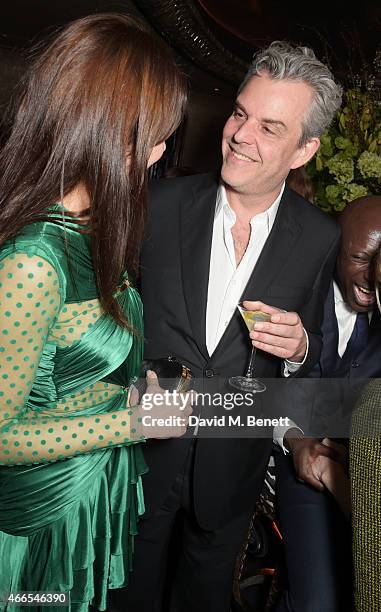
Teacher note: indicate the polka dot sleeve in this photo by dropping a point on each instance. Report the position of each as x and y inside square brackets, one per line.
[30, 301]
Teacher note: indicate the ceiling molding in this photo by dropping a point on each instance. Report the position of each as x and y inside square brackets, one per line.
[182, 25]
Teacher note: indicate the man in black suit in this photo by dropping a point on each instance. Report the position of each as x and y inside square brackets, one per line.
[210, 244]
[317, 538]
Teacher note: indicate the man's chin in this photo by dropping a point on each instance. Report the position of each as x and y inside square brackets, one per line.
[234, 183]
[357, 306]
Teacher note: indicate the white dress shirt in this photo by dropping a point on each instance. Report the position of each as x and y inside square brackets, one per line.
[227, 280]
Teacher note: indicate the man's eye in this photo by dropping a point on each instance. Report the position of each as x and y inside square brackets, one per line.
[267, 130]
[360, 259]
[237, 113]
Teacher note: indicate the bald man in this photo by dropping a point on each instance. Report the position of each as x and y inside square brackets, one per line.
[314, 529]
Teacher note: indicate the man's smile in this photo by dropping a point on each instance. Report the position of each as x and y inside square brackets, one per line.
[240, 156]
[364, 296]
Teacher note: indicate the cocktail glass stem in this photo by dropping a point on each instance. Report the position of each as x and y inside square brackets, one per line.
[248, 382]
[250, 368]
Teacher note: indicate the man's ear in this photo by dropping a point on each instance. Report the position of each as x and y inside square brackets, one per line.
[306, 152]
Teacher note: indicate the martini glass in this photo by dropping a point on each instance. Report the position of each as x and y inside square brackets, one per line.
[248, 382]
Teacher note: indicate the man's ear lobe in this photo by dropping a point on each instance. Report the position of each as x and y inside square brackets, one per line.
[306, 152]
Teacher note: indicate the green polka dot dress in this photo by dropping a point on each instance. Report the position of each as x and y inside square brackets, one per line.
[70, 462]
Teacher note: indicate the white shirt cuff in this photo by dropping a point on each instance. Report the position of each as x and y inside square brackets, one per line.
[280, 431]
[290, 367]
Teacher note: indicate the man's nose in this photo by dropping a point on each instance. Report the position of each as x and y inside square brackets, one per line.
[245, 134]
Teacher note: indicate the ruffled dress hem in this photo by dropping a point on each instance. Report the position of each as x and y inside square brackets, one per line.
[89, 549]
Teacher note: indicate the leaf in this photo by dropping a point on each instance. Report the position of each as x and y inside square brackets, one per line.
[336, 173]
[373, 146]
[339, 206]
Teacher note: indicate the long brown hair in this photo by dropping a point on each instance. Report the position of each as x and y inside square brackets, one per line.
[95, 102]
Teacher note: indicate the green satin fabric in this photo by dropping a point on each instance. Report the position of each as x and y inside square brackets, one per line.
[69, 525]
[88, 547]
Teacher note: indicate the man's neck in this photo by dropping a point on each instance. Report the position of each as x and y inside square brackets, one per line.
[247, 206]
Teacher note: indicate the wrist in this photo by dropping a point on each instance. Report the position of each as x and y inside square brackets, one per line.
[301, 354]
[292, 437]
[136, 423]
[298, 357]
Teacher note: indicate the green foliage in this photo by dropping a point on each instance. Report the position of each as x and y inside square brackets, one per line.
[348, 163]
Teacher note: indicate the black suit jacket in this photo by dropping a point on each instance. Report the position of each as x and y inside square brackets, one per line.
[293, 272]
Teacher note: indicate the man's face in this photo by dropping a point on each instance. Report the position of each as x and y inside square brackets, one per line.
[260, 139]
[361, 237]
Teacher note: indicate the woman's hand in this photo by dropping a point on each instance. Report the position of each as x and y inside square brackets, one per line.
[160, 413]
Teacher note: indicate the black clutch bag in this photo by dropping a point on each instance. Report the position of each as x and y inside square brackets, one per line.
[172, 374]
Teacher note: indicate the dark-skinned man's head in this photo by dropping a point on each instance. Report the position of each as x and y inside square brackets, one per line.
[361, 237]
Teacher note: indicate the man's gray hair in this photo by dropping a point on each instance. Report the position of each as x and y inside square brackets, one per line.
[281, 60]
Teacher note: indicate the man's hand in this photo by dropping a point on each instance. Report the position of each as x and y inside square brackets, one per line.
[334, 477]
[306, 453]
[283, 337]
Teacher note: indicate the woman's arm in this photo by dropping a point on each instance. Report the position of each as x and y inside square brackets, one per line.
[30, 300]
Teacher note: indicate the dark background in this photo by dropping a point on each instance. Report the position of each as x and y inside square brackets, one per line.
[344, 36]
[332, 27]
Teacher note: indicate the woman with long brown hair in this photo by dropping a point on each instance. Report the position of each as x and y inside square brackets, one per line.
[96, 109]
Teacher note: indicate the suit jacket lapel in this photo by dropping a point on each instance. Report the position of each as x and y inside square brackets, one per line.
[196, 230]
[284, 233]
[282, 237]
[329, 355]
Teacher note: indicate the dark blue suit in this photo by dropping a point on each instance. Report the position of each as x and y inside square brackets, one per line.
[366, 365]
[316, 534]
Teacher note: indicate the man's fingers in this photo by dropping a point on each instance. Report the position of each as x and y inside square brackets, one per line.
[282, 331]
[339, 448]
[313, 480]
[261, 306]
[316, 481]
[316, 484]
[277, 315]
[274, 350]
[326, 451]
[307, 477]
[290, 344]
[286, 318]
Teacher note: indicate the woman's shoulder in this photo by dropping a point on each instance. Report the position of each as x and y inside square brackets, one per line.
[39, 239]
[65, 248]
[42, 240]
